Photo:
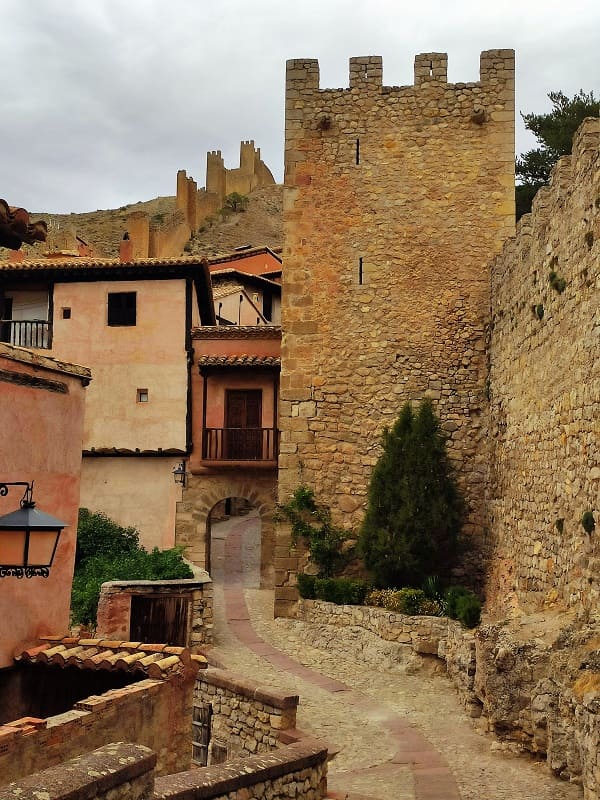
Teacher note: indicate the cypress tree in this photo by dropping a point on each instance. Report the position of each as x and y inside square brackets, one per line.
[414, 512]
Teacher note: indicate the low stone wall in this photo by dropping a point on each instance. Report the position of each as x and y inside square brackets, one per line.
[422, 634]
[154, 713]
[295, 772]
[535, 680]
[246, 718]
[126, 772]
[113, 772]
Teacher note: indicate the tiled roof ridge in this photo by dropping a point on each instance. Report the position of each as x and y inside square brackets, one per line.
[94, 262]
[230, 271]
[240, 254]
[237, 332]
[158, 661]
[241, 360]
[26, 356]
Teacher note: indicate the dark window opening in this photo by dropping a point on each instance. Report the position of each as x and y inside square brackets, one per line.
[358, 151]
[268, 306]
[66, 313]
[360, 271]
[122, 308]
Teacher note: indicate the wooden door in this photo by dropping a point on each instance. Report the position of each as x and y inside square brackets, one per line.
[243, 420]
[159, 619]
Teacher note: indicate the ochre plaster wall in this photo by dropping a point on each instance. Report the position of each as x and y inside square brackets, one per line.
[545, 394]
[395, 199]
[135, 491]
[149, 355]
[41, 441]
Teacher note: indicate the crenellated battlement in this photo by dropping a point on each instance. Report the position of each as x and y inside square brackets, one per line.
[366, 72]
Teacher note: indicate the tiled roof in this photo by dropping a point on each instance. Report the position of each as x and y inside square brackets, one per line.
[237, 332]
[237, 255]
[153, 660]
[226, 290]
[26, 356]
[84, 263]
[16, 227]
[218, 275]
[239, 361]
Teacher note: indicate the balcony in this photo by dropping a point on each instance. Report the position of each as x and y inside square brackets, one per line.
[240, 444]
[26, 333]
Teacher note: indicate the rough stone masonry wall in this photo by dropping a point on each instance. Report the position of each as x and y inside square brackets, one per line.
[545, 394]
[395, 200]
[246, 719]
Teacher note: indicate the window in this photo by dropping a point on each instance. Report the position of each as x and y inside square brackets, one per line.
[66, 313]
[122, 308]
[142, 395]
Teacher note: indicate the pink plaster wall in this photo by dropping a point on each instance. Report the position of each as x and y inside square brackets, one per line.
[41, 441]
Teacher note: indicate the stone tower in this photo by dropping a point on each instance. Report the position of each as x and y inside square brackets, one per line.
[396, 199]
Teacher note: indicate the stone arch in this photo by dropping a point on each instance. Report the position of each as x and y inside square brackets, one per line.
[202, 494]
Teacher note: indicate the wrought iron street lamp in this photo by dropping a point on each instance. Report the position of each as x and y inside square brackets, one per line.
[179, 473]
[28, 537]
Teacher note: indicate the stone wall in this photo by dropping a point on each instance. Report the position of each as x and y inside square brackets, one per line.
[154, 713]
[246, 718]
[114, 772]
[395, 200]
[545, 394]
[125, 772]
[295, 772]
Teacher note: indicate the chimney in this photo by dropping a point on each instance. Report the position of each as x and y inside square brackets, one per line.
[126, 248]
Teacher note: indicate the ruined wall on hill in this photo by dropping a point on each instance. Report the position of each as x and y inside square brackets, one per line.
[545, 393]
[395, 200]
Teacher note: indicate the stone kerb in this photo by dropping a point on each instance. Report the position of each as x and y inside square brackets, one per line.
[247, 718]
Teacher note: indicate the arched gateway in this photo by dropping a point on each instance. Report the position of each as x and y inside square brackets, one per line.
[203, 492]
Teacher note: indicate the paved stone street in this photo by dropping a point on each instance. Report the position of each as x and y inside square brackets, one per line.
[396, 736]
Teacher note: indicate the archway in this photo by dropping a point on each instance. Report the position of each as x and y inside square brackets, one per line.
[204, 492]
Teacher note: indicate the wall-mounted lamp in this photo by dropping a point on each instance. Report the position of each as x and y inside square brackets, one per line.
[179, 473]
[28, 537]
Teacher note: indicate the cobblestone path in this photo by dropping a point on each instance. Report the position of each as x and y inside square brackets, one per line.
[395, 736]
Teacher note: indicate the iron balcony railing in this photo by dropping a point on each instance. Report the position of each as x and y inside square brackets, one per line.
[26, 332]
[240, 444]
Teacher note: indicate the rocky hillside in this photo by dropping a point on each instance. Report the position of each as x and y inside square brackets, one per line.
[260, 224]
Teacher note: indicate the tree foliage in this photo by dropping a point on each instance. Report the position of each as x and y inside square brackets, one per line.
[554, 132]
[236, 202]
[414, 511]
[107, 551]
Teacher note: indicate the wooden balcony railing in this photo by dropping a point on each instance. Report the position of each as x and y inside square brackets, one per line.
[240, 444]
[26, 333]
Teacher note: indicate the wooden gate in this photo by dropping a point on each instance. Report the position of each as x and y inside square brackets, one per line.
[159, 618]
[201, 722]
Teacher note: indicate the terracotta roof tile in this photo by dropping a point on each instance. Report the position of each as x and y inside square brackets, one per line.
[237, 332]
[239, 361]
[158, 661]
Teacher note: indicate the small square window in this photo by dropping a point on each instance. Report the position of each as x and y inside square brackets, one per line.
[66, 313]
[121, 308]
[142, 395]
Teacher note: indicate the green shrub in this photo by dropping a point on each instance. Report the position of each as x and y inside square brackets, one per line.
[342, 591]
[108, 552]
[468, 610]
[414, 511]
[306, 585]
[461, 604]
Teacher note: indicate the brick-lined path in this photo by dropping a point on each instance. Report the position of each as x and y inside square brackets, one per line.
[397, 737]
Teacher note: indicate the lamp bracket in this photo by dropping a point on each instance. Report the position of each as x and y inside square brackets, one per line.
[27, 499]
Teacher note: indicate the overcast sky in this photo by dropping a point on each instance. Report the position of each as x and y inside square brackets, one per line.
[104, 100]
